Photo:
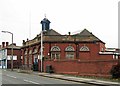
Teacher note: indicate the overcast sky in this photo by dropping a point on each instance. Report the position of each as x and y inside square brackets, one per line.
[22, 18]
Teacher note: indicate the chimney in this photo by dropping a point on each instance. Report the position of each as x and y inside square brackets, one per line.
[3, 44]
[7, 43]
[69, 33]
[14, 44]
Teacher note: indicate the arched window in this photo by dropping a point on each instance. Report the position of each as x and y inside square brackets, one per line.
[55, 52]
[55, 48]
[25, 52]
[25, 56]
[30, 57]
[30, 51]
[69, 48]
[35, 50]
[84, 48]
[70, 52]
[35, 55]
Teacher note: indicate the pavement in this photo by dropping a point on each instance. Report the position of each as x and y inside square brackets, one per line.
[76, 79]
[81, 80]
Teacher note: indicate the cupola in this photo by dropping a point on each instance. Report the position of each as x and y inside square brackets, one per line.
[45, 24]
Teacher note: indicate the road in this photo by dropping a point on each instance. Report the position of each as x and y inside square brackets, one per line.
[11, 77]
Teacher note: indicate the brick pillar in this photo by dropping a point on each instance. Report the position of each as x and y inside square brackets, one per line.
[22, 57]
[27, 57]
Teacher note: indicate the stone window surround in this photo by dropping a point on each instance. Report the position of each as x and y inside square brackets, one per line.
[84, 48]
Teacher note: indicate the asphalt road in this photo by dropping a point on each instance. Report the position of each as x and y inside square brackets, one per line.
[11, 77]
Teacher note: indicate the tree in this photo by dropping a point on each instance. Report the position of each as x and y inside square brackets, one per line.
[115, 71]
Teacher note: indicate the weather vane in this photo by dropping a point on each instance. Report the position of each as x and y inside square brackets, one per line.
[45, 15]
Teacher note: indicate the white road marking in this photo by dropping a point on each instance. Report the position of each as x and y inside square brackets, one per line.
[11, 76]
[31, 81]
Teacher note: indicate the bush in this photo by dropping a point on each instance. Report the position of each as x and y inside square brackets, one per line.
[115, 71]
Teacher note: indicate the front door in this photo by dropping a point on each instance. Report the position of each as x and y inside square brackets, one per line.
[35, 63]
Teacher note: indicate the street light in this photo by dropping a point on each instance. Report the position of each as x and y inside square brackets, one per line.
[41, 50]
[41, 54]
[11, 49]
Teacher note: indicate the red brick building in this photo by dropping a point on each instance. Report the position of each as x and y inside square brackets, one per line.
[6, 55]
[80, 54]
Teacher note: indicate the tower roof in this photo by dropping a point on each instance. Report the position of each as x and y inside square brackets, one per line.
[45, 20]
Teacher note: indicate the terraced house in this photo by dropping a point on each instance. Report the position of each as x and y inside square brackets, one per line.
[79, 54]
[5, 55]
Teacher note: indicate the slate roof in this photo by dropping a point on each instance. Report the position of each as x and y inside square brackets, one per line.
[14, 47]
[51, 32]
[84, 32]
[83, 36]
[53, 36]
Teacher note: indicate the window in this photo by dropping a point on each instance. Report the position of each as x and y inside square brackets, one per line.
[9, 57]
[69, 48]
[84, 48]
[102, 49]
[116, 56]
[25, 60]
[30, 51]
[30, 59]
[55, 52]
[69, 52]
[70, 55]
[35, 59]
[55, 55]
[25, 52]
[34, 50]
[55, 48]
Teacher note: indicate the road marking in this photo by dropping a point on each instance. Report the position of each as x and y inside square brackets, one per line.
[11, 76]
[31, 81]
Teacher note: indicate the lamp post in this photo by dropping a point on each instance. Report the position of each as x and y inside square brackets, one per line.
[11, 49]
[40, 59]
[41, 50]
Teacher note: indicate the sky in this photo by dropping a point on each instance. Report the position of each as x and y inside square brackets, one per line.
[23, 17]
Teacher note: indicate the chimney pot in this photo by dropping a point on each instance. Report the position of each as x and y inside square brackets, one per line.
[7, 43]
[3, 44]
[69, 33]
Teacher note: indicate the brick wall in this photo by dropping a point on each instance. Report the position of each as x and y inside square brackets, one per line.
[16, 63]
[77, 67]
